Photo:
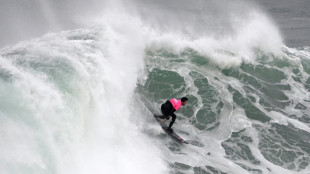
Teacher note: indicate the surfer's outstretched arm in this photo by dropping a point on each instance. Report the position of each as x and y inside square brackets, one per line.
[163, 117]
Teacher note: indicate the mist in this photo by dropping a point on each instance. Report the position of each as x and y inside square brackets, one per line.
[23, 20]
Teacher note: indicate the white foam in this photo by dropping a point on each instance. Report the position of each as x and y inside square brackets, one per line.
[97, 132]
[91, 123]
[255, 32]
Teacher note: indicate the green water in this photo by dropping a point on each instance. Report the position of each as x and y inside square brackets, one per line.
[259, 90]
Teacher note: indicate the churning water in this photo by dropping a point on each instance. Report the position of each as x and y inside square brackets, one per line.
[82, 100]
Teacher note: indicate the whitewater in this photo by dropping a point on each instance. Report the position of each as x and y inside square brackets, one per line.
[82, 100]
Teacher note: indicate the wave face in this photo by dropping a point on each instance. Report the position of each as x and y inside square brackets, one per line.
[65, 105]
[81, 101]
[247, 119]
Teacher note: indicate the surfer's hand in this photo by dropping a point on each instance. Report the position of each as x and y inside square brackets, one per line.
[165, 120]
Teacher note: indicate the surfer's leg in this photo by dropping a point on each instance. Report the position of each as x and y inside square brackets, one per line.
[172, 121]
[165, 112]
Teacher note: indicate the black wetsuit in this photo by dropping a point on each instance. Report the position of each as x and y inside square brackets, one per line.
[168, 110]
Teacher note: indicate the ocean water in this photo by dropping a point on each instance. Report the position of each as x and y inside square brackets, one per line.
[82, 100]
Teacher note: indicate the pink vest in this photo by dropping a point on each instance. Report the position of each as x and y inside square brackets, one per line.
[176, 103]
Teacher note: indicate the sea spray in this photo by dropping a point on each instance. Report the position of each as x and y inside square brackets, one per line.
[71, 102]
[73, 92]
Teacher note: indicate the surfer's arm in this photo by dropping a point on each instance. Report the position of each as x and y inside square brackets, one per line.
[166, 118]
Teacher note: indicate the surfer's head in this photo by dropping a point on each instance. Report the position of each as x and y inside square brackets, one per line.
[184, 101]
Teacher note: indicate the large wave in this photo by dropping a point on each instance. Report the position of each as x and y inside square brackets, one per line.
[81, 101]
[67, 103]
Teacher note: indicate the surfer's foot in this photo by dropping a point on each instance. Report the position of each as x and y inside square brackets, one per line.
[170, 130]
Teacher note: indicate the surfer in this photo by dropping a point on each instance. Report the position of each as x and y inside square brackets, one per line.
[168, 109]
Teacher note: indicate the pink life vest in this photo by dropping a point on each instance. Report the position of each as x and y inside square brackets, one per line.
[176, 103]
